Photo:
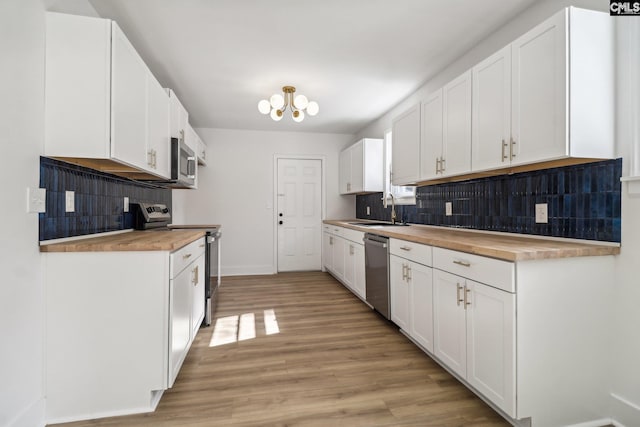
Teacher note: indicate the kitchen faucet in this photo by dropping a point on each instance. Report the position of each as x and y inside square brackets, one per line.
[393, 209]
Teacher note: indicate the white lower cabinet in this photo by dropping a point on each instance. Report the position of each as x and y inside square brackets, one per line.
[474, 326]
[118, 326]
[343, 257]
[411, 290]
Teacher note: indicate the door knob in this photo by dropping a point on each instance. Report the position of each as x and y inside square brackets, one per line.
[280, 222]
[280, 214]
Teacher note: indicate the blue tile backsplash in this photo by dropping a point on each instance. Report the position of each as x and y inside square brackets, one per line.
[583, 203]
[99, 200]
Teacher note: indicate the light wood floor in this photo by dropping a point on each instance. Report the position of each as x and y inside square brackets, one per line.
[334, 362]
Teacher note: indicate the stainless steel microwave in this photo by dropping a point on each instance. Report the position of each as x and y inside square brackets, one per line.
[183, 163]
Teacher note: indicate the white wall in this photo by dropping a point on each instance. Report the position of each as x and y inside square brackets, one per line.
[236, 190]
[21, 142]
[625, 349]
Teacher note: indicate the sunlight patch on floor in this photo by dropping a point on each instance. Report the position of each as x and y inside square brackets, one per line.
[242, 327]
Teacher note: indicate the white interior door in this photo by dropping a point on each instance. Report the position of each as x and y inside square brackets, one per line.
[299, 214]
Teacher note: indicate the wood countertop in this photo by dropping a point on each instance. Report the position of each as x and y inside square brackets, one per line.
[505, 247]
[194, 226]
[149, 240]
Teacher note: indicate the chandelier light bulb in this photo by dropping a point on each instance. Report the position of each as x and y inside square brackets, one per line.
[264, 106]
[301, 102]
[277, 101]
[298, 116]
[276, 115]
[313, 108]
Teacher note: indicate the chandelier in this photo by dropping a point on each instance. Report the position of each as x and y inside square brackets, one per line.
[277, 104]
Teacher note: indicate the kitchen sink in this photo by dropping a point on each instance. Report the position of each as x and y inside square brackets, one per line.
[378, 224]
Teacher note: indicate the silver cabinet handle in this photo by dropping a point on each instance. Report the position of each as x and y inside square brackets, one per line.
[186, 256]
[442, 163]
[462, 263]
[404, 271]
[511, 153]
[351, 250]
[408, 273]
[466, 293]
[458, 299]
[405, 248]
[504, 156]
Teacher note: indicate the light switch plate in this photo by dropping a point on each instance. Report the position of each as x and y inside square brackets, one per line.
[542, 214]
[368, 211]
[448, 209]
[36, 200]
[126, 204]
[69, 201]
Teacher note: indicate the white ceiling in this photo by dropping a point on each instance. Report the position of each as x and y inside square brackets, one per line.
[356, 58]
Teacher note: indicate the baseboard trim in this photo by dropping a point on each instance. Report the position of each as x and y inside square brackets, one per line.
[595, 423]
[624, 412]
[248, 270]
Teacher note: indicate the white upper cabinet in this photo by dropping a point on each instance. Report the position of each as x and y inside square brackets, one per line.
[101, 100]
[128, 101]
[361, 167]
[405, 150]
[178, 116]
[548, 95]
[77, 87]
[158, 152]
[539, 79]
[456, 127]
[445, 141]
[431, 137]
[491, 121]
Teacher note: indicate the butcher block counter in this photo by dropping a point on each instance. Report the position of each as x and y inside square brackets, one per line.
[149, 240]
[507, 247]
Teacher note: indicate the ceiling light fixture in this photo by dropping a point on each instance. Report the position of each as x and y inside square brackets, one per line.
[277, 104]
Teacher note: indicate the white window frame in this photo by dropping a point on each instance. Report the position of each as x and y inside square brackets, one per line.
[403, 195]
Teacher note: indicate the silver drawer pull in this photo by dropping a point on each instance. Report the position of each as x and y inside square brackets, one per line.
[462, 263]
[202, 245]
[405, 248]
[186, 256]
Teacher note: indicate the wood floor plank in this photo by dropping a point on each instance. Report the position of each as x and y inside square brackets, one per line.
[333, 362]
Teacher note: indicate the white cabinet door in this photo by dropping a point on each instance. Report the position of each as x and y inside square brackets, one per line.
[539, 90]
[456, 127]
[359, 284]
[399, 291]
[178, 116]
[405, 149]
[357, 167]
[180, 321]
[128, 102]
[339, 256]
[327, 250]
[491, 122]
[197, 295]
[491, 344]
[158, 140]
[421, 305]
[344, 173]
[431, 137]
[349, 277]
[449, 321]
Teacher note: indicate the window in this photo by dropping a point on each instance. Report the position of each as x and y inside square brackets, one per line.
[404, 195]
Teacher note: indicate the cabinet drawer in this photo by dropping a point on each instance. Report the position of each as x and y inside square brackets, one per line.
[353, 235]
[422, 254]
[333, 229]
[493, 272]
[185, 256]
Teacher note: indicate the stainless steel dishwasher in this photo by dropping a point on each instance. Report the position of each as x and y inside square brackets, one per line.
[376, 255]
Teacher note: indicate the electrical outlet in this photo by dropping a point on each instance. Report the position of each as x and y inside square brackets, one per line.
[126, 204]
[368, 211]
[36, 200]
[69, 201]
[542, 214]
[448, 209]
